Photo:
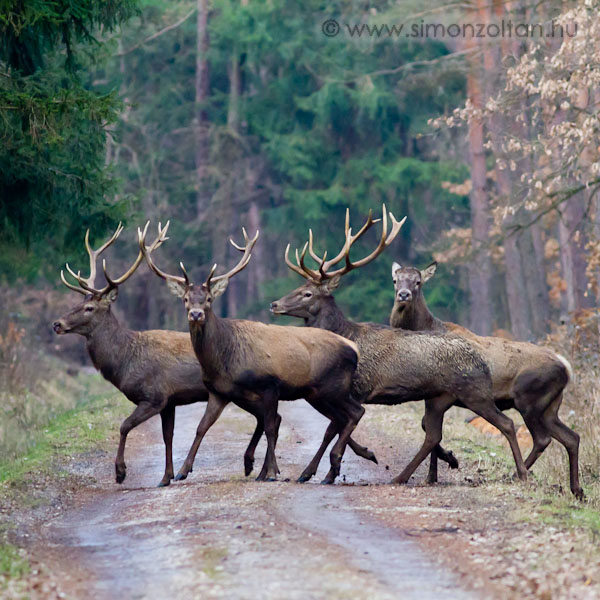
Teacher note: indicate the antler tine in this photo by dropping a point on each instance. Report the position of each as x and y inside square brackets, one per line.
[86, 285]
[146, 251]
[81, 281]
[312, 274]
[322, 273]
[94, 254]
[243, 248]
[396, 227]
[292, 266]
[210, 275]
[70, 285]
[160, 238]
[185, 275]
[350, 239]
[243, 262]
[385, 240]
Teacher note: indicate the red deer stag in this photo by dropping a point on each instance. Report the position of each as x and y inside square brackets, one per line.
[156, 370]
[257, 363]
[395, 366]
[524, 376]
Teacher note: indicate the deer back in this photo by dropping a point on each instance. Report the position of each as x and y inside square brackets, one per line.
[250, 352]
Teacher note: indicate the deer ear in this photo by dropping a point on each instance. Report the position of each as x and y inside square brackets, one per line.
[331, 284]
[111, 295]
[219, 287]
[395, 267]
[429, 272]
[176, 288]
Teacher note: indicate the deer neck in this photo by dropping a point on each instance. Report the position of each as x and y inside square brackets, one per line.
[331, 317]
[109, 346]
[414, 316]
[213, 341]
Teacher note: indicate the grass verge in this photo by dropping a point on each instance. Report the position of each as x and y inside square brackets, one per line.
[34, 479]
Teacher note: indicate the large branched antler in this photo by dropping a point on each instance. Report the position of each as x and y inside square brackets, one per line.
[146, 252]
[86, 285]
[323, 273]
[160, 238]
[242, 263]
[211, 279]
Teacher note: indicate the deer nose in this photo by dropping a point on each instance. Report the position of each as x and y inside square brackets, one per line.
[273, 306]
[57, 326]
[196, 314]
[404, 295]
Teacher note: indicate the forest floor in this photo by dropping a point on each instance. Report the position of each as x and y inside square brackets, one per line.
[477, 534]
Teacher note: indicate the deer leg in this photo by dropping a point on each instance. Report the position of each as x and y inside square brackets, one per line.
[214, 408]
[168, 424]
[250, 450]
[272, 420]
[433, 420]
[362, 451]
[327, 410]
[569, 439]
[539, 433]
[354, 415]
[143, 411]
[330, 433]
[439, 453]
[313, 465]
[492, 415]
[432, 474]
[260, 428]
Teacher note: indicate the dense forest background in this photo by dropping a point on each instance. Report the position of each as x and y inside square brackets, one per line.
[228, 113]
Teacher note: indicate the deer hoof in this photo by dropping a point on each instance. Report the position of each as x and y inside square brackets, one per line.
[164, 483]
[120, 475]
[180, 477]
[304, 477]
[399, 480]
[452, 461]
[248, 466]
[579, 495]
[371, 456]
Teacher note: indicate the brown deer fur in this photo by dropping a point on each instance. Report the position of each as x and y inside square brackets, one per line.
[527, 377]
[397, 367]
[260, 364]
[156, 370]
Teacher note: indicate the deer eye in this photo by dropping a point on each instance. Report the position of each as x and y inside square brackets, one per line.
[307, 294]
[394, 281]
[89, 308]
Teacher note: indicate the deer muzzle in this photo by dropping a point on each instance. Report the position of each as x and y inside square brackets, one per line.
[404, 295]
[59, 327]
[196, 315]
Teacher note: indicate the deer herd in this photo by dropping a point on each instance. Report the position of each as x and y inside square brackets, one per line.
[333, 363]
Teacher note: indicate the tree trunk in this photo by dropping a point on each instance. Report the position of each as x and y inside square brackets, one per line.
[572, 242]
[233, 119]
[481, 266]
[202, 83]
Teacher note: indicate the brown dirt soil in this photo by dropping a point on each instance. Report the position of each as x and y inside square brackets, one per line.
[221, 535]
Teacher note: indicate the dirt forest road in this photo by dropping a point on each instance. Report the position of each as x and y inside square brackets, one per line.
[221, 535]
